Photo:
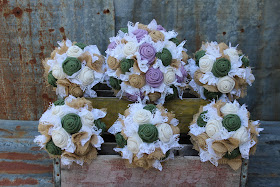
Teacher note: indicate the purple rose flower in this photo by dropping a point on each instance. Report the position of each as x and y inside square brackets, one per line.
[147, 52]
[184, 74]
[112, 45]
[160, 28]
[140, 33]
[133, 98]
[154, 77]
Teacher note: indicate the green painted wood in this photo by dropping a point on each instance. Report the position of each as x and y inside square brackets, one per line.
[183, 109]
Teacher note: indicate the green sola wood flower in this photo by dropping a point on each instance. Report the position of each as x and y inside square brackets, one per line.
[231, 122]
[211, 95]
[165, 56]
[221, 67]
[71, 123]
[100, 125]
[115, 83]
[175, 40]
[126, 64]
[120, 140]
[71, 65]
[148, 133]
[80, 45]
[53, 149]
[150, 107]
[59, 102]
[233, 154]
[200, 120]
[51, 79]
[198, 55]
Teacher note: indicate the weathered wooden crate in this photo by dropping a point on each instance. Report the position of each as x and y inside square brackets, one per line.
[109, 169]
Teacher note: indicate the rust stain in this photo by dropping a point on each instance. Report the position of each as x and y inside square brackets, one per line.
[32, 61]
[22, 156]
[224, 33]
[46, 97]
[7, 131]
[51, 30]
[18, 127]
[98, 13]
[20, 51]
[28, 10]
[24, 168]
[35, 148]
[17, 12]
[106, 11]
[18, 182]
[241, 30]
[61, 29]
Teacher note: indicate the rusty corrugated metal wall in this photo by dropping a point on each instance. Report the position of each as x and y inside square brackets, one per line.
[29, 31]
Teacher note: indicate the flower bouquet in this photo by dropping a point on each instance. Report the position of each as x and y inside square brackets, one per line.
[145, 135]
[74, 69]
[223, 133]
[218, 70]
[146, 63]
[70, 129]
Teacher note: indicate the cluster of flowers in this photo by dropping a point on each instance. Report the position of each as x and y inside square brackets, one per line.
[223, 133]
[218, 71]
[145, 135]
[70, 129]
[146, 63]
[74, 68]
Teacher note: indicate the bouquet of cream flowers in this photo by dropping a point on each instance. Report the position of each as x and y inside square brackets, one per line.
[70, 129]
[146, 63]
[145, 135]
[219, 70]
[223, 133]
[74, 69]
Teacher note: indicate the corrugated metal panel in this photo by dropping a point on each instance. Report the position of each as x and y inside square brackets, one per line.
[21, 161]
[31, 28]
[253, 24]
[29, 32]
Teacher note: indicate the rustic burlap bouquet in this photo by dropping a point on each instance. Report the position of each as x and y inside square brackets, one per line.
[223, 133]
[70, 129]
[218, 70]
[146, 63]
[145, 135]
[74, 69]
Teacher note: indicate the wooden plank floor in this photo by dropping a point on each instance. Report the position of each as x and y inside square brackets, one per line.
[23, 163]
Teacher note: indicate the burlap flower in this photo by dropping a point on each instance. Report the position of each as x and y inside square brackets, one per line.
[137, 81]
[70, 130]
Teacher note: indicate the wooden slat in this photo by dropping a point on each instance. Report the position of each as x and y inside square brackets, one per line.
[111, 170]
[183, 109]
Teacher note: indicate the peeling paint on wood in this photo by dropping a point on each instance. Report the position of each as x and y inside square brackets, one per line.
[111, 170]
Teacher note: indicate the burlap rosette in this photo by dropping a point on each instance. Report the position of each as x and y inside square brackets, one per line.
[74, 69]
[223, 134]
[70, 129]
[146, 135]
[139, 71]
[218, 70]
